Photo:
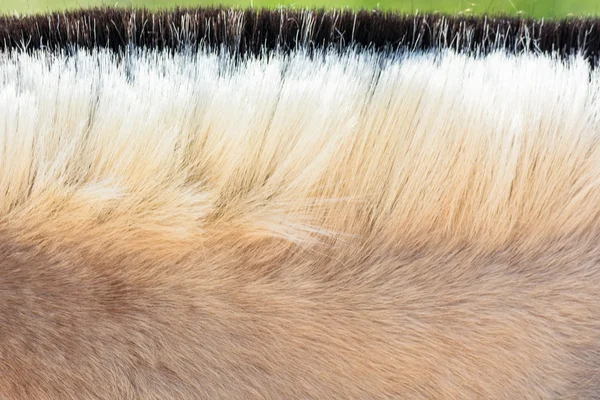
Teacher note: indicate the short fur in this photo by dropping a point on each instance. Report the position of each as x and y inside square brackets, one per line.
[340, 225]
[259, 31]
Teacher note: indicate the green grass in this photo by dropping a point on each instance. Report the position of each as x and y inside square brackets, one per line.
[534, 8]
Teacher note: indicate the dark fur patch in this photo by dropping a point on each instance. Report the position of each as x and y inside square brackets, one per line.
[257, 31]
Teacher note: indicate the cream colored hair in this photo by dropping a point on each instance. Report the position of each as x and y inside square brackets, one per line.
[340, 225]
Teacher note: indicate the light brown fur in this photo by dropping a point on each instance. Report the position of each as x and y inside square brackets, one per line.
[429, 233]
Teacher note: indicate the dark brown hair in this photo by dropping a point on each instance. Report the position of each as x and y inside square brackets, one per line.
[255, 31]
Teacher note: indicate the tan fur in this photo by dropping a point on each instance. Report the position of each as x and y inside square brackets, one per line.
[336, 227]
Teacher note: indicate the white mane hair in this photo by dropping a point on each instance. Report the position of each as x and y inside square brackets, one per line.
[328, 225]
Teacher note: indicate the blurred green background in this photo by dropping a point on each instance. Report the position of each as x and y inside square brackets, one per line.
[534, 8]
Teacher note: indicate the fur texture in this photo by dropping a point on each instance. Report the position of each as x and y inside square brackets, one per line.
[256, 32]
[326, 225]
